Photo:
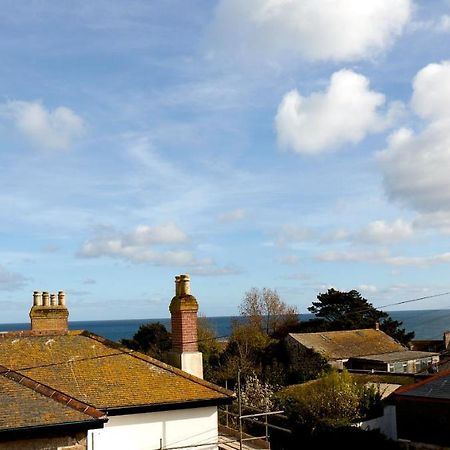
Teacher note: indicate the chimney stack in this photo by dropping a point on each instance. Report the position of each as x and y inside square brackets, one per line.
[446, 340]
[183, 309]
[49, 312]
[377, 326]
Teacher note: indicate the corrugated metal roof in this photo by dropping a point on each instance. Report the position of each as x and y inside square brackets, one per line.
[406, 355]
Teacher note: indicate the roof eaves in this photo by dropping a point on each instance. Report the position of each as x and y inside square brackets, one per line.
[166, 406]
[53, 394]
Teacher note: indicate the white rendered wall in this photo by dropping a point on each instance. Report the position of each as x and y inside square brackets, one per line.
[178, 428]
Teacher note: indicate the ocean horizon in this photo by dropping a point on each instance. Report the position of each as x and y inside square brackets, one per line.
[427, 324]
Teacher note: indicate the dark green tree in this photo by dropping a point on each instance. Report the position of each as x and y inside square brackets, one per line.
[349, 311]
[152, 339]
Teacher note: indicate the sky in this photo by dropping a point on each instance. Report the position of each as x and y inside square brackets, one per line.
[290, 144]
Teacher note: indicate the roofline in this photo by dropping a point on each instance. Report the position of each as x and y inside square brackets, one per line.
[420, 383]
[41, 430]
[157, 363]
[420, 399]
[187, 404]
[400, 359]
[52, 393]
[343, 331]
[28, 333]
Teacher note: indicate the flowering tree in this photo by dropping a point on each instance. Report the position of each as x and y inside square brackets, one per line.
[257, 393]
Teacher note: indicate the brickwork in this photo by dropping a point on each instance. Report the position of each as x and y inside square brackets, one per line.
[49, 312]
[184, 331]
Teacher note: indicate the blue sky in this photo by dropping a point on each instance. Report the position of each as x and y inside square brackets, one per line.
[292, 144]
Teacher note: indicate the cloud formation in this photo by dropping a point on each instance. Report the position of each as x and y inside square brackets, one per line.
[381, 232]
[139, 245]
[233, 216]
[384, 257]
[415, 164]
[10, 281]
[55, 129]
[345, 113]
[341, 30]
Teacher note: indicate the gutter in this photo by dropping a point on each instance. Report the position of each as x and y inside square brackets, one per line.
[123, 410]
[54, 429]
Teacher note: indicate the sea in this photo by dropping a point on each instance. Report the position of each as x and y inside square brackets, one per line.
[427, 324]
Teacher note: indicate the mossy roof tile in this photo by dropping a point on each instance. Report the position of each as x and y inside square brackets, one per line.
[101, 373]
[348, 343]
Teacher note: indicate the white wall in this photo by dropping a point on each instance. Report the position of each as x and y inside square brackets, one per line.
[143, 431]
[387, 423]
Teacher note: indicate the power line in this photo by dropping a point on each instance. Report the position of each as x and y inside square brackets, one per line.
[415, 299]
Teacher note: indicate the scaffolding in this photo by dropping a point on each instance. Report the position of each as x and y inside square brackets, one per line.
[253, 418]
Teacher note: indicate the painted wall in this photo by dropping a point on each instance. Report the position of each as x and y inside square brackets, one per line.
[387, 423]
[144, 431]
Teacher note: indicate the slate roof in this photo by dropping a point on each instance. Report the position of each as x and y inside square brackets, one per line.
[346, 344]
[102, 373]
[436, 387]
[405, 355]
[26, 404]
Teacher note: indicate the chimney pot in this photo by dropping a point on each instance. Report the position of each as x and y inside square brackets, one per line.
[53, 300]
[447, 340]
[45, 299]
[185, 285]
[377, 326]
[61, 298]
[177, 286]
[37, 298]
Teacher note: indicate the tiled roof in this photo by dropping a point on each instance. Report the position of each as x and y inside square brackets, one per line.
[405, 355]
[27, 404]
[102, 373]
[435, 387]
[348, 343]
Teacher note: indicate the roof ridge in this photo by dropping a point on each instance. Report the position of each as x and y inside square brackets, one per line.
[344, 331]
[49, 392]
[162, 365]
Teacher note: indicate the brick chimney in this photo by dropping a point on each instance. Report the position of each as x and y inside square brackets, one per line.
[183, 309]
[49, 312]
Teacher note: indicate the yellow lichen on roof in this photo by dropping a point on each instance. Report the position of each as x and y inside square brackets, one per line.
[22, 407]
[100, 373]
[348, 343]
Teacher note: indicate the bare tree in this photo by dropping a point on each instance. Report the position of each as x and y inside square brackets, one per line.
[265, 310]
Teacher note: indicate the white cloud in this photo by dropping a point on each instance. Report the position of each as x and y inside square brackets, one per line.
[431, 91]
[439, 220]
[345, 113]
[415, 164]
[10, 281]
[292, 234]
[213, 270]
[290, 260]
[53, 129]
[138, 245]
[383, 257]
[382, 232]
[233, 216]
[369, 288]
[156, 245]
[338, 30]
[444, 23]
